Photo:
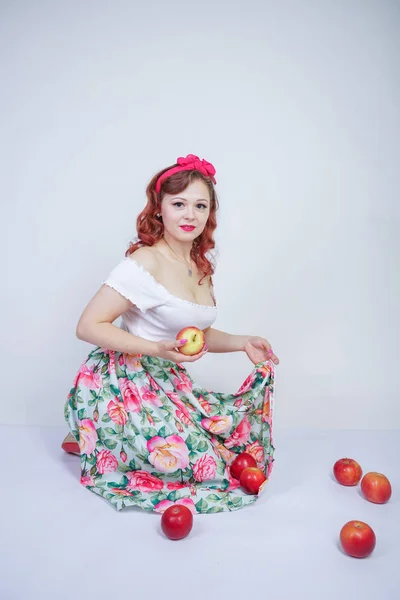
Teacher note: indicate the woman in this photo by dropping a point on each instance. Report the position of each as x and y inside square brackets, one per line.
[148, 435]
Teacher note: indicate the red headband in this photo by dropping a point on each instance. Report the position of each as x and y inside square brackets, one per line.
[189, 163]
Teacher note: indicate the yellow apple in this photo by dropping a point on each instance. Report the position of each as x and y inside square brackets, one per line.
[195, 340]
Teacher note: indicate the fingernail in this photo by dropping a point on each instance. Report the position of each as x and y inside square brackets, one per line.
[183, 341]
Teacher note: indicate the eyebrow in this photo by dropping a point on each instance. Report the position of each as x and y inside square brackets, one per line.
[199, 200]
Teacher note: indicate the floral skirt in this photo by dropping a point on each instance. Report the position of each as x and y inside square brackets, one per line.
[149, 436]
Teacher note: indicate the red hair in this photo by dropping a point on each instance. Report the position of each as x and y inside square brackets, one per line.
[150, 228]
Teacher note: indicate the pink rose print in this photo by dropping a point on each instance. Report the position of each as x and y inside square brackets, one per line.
[106, 462]
[257, 452]
[130, 394]
[87, 480]
[154, 383]
[123, 456]
[120, 492]
[181, 405]
[111, 363]
[150, 396]
[183, 417]
[238, 402]
[227, 455]
[132, 362]
[87, 436]
[143, 481]
[205, 405]
[164, 504]
[240, 435]
[168, 454]
[233, 483]
[217, 424]
[88, 378]
[204, 468]
[183, 383]
[246, 385]
[117, 412]
[175, 485]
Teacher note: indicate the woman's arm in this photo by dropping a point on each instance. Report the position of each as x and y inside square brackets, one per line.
[96, 325]
[219, 341]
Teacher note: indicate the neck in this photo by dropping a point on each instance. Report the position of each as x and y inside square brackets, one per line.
[180, 249]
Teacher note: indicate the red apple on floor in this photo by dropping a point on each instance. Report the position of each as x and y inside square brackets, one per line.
[347, 471]
[241, 462]
[251, 479]
[357, 539]
[195, 340]
[376, 487]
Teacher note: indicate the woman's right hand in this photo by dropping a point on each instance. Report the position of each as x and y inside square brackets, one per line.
[167, 349]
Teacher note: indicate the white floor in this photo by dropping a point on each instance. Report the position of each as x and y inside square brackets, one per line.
[58, 540]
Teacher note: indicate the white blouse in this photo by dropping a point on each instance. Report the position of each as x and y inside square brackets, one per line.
[155, 314]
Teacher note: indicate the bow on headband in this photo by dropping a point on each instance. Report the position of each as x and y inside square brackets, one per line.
[189, 163]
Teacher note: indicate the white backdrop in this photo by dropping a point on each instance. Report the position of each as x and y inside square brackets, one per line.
[295, 103]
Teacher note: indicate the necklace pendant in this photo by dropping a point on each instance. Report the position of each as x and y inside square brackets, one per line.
[190, 272]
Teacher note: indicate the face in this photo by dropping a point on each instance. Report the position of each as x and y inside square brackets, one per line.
[189, 208]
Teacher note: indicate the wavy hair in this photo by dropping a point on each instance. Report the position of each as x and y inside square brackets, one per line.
[150, 229]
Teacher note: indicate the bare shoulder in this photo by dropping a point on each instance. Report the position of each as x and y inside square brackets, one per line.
[147, 258]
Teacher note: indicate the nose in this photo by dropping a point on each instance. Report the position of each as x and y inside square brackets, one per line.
[189, 213]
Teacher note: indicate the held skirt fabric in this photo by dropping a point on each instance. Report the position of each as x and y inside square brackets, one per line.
[149, 436]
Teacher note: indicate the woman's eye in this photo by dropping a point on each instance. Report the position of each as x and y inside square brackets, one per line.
[181, 204]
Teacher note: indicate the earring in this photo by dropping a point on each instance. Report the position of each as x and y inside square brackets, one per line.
[158, 215]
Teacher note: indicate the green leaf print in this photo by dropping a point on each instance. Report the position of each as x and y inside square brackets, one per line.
[192, 456]
[237, 501]
[191, 442]
[201, 505]
[100, 433]
[110, 431]
[92, 402]
[72, 402]
[105, 418]
[202, 447]
[149, 432]
[104, 369]
[82, 414]
[173, 496]
[120, 485]
[110, 444]
[115, 390]
[156, 498]
[212, 498]
[163, 432]
[93, 393]
[91, 459]
[132, 465]
[118, 428]
[215, 509]
[93, 470]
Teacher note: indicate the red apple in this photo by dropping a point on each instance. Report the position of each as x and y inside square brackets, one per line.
[357, 539]
[347, 471]
[251, 479]
[376, 487]
[241, 462]
[195, 340]
[177, 522]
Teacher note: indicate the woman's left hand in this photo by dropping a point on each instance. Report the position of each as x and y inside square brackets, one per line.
[258, 350]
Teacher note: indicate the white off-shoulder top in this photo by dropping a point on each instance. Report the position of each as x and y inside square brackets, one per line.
[155, 314]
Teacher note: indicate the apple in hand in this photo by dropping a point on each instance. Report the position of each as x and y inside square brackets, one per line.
[195, 340]
[357, 539]
[347, 471]
[376, 487]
